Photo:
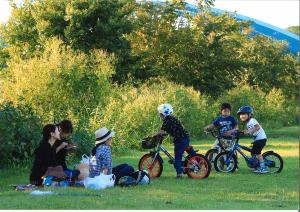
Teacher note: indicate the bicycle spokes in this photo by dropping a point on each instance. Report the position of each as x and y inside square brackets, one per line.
[197, 167]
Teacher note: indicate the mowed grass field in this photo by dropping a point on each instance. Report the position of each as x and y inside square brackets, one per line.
[240, 190]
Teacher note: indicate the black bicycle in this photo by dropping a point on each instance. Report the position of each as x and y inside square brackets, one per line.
[194, 165]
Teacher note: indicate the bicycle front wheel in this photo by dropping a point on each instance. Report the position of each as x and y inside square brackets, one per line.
[221, 165]
[154, 167]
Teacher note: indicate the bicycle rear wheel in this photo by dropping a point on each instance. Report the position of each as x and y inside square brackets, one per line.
[211, 155]
[198, 167]
[273, 161]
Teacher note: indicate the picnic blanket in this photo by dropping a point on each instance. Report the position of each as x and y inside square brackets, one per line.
[24, 187]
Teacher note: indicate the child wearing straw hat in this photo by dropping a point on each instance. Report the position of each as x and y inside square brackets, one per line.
[101, 162]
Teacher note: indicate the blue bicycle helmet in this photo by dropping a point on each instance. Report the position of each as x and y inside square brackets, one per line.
[245, 109]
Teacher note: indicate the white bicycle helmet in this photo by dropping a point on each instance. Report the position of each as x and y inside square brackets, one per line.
[165, 109]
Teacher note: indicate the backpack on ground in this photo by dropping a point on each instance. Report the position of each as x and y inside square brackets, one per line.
[136, 178]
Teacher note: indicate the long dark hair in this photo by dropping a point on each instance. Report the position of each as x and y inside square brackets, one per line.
[47, 130]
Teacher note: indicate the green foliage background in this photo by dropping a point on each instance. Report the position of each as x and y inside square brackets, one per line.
[111, 63]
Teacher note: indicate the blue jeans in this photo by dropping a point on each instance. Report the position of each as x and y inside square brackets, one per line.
[122, 170]
[179, 148]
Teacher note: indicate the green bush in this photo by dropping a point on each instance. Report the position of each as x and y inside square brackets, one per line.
[59, 84]
[269, 108]
[20, 133]
[132, 112]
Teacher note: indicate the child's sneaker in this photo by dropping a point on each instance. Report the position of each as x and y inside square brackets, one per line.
[261, 171]
[179, 176]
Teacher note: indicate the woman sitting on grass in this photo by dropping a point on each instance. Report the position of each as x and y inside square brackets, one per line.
[45, 154]
[101, 162]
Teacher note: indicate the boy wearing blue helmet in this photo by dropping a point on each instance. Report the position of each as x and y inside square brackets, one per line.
[259, 136]
[172, 126]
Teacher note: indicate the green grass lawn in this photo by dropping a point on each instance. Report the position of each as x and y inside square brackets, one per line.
[240, 190]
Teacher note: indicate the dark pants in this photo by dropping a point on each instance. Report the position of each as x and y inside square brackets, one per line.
[179, 148]
[122, 170]
[72, 173]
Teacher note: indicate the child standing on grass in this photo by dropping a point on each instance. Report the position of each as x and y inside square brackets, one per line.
[259, 136]
[226, 123]
[172, 126]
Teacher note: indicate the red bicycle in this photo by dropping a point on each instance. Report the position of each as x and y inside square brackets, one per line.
[194, 165]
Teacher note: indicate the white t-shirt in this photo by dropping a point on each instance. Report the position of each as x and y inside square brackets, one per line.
[258, 135]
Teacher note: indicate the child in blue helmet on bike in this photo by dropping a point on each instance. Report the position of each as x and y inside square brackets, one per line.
[259, 136]
[172, 126]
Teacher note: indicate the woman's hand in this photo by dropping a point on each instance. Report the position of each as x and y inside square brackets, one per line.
[60, 147]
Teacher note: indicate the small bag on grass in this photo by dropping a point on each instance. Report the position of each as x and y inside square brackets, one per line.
[137, 178]
[100, 182]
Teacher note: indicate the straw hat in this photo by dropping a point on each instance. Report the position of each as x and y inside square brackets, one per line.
[103, 134]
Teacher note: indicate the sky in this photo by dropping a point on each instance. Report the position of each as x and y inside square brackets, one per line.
[280, 13]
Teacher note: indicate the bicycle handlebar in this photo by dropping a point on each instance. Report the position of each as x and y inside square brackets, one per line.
[158, 138]
[215, 133]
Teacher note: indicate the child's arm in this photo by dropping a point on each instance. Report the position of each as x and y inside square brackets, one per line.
[160, 133]
[229, 132]
[208, 127]
[253, 130]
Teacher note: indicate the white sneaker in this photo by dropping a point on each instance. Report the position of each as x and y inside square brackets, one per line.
[261, 171]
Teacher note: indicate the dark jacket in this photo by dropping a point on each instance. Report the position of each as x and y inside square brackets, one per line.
[44, 157]
[62, 154]
[174, 128]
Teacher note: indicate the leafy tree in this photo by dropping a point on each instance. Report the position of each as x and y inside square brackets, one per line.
[294, 29]
[202, 51]
[270, 66]
[19, 35]
[209, 52]
[82, 24]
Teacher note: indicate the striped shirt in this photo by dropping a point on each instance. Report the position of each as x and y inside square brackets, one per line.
[101, 160]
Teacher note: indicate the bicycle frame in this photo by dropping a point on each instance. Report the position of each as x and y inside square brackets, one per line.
[237, 147]
[165, 151]
[161, 148]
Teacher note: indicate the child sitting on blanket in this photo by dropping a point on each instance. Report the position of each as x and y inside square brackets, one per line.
[101, 162]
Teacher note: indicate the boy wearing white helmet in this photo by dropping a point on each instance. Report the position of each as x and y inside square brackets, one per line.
[172, 126]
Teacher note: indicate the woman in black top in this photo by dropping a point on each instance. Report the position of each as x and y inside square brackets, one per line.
[45, 154]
